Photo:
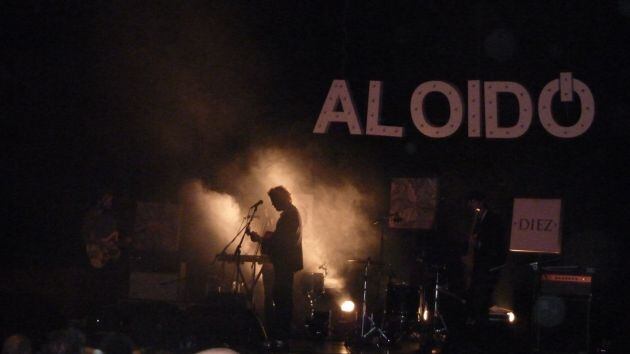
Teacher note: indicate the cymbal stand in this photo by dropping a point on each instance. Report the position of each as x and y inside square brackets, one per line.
[439, 328]
[374, 329]
[438, 325]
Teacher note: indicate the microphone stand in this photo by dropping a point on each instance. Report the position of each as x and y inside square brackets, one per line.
[382, 223]
[231, 241]
[240, 278]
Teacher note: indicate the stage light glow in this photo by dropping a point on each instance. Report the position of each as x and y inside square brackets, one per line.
[511, 317]
[425, 315]
[347, 306]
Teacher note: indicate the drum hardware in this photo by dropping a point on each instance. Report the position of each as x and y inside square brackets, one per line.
[369, 328]
[317, 305]
[439, 328]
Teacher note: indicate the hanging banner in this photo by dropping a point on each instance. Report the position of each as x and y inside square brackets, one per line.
[413, 203]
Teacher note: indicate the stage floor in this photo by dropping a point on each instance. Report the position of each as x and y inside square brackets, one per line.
[334, 347]
[410, 346]
[492, 340]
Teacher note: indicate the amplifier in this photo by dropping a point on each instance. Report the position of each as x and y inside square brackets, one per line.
[562, 312]
[566, 284]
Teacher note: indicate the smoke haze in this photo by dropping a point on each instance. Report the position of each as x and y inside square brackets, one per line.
[337, 225]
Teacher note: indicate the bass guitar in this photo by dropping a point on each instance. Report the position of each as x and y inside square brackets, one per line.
[468, 259]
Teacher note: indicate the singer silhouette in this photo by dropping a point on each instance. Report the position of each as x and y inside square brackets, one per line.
[284, 247]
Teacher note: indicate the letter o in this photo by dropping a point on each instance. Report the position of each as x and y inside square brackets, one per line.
[455, 103]
[586, 116]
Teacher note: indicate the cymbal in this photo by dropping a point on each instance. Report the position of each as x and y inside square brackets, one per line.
[364, 261]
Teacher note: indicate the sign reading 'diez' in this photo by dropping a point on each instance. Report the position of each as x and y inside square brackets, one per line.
[536, 225]
[483, 106]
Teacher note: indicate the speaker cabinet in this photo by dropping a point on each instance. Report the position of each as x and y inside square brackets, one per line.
[562, 323]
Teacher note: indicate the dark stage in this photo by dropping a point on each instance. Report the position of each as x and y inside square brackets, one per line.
[474, 152]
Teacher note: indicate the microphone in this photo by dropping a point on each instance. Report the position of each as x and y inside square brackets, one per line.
[258, 203]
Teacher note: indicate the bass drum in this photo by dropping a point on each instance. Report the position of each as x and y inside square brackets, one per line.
[404, 306]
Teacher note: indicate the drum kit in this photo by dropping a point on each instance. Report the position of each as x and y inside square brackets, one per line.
[410, 311]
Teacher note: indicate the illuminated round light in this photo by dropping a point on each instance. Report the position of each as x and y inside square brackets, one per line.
[347, 306]
[425, 315]
[511, 317]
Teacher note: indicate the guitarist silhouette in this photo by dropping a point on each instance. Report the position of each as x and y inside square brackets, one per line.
[107, 276]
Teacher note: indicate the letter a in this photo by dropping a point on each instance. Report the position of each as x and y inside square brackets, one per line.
[339, 93]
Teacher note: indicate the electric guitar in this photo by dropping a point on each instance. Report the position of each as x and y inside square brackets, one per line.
[103, 251]
[266, 240]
